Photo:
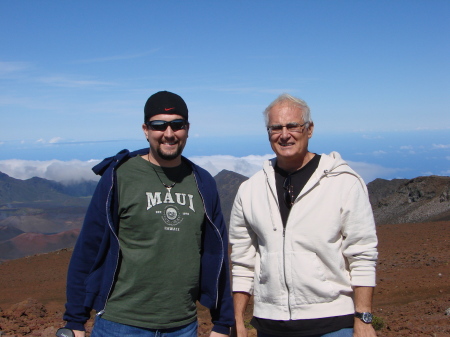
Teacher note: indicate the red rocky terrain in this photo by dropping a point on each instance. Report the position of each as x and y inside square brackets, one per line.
[412, 297]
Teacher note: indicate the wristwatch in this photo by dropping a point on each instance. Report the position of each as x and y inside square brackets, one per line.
[64, 332]
[366, 317]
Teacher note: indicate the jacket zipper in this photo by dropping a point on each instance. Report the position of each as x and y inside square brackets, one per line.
[284, 271]
[284, 249]
[101, 312]
[218, 234]
[284, 246]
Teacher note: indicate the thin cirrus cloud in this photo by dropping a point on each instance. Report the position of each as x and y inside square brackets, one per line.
[119, 57]
[12, 67]
[68, 82]
[16, 70]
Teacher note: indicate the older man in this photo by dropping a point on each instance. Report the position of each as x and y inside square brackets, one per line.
[303, 237]
[153, 241]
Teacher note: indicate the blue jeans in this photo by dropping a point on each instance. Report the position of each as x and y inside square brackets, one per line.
[340, 333]
[105, 328]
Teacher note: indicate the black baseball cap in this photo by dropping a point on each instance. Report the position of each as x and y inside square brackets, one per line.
[165, 102]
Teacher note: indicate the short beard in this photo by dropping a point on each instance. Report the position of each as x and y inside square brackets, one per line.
[170, 156]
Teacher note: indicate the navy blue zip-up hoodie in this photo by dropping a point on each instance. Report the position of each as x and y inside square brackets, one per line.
[96, 254]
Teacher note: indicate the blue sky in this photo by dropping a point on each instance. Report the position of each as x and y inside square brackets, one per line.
[74, 77]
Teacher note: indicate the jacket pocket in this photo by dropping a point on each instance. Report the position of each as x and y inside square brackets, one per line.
[269, 283]
[308, 279]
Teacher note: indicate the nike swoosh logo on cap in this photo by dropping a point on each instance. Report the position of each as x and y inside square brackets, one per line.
[168, 109]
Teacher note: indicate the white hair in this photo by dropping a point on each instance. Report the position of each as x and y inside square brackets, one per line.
[297, 102]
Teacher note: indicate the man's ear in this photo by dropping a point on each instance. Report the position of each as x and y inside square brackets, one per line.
[145, 129]
[310, 129]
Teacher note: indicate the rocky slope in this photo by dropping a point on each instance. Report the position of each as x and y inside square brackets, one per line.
[27, 244]
[228, 183]
[410, 201]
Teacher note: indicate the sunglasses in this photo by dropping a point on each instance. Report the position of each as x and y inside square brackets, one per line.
[288, 192]
[175, 125]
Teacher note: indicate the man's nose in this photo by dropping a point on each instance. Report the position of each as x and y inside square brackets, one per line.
[285, 133]
[169, 132]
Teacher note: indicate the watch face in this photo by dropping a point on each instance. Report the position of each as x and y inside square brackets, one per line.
[64, 332]
[366, 317]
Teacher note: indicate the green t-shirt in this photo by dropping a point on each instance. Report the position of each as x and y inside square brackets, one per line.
[160, 229]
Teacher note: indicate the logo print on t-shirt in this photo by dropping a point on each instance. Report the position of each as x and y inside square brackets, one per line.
[180, 199]
[172, 217]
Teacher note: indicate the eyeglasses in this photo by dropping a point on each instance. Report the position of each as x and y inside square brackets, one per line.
[175, 125]
[288, 192]
[290, 127]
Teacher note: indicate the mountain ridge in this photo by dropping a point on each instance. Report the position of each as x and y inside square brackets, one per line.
[421, 199]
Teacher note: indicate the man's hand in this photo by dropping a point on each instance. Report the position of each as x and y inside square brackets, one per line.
[79, 333]
[362, 329]
[239, 330]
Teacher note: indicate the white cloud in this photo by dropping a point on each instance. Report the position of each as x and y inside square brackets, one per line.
[408, 148]
[379, 152]
[441, 146]
[371, 172]
[42, 141]
[57, 170]
[246, 166]
[55, 140]
[76, 170]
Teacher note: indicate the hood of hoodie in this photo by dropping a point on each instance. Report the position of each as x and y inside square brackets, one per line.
[328, 162]
[330, 165]
[101, 167]
[115, 161]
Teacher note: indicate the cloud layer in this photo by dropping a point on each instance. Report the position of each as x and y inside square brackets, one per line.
[76, 170]
[62, 171]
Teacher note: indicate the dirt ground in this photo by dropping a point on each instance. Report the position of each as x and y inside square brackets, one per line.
[412, 297]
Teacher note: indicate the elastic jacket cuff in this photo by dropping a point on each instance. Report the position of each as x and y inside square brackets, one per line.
[221, 329]
[75, 326]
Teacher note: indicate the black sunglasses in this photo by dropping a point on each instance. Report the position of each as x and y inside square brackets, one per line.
[288, 192]
[175, 125]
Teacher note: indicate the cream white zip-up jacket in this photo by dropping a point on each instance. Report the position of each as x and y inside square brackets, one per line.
[308, 269]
